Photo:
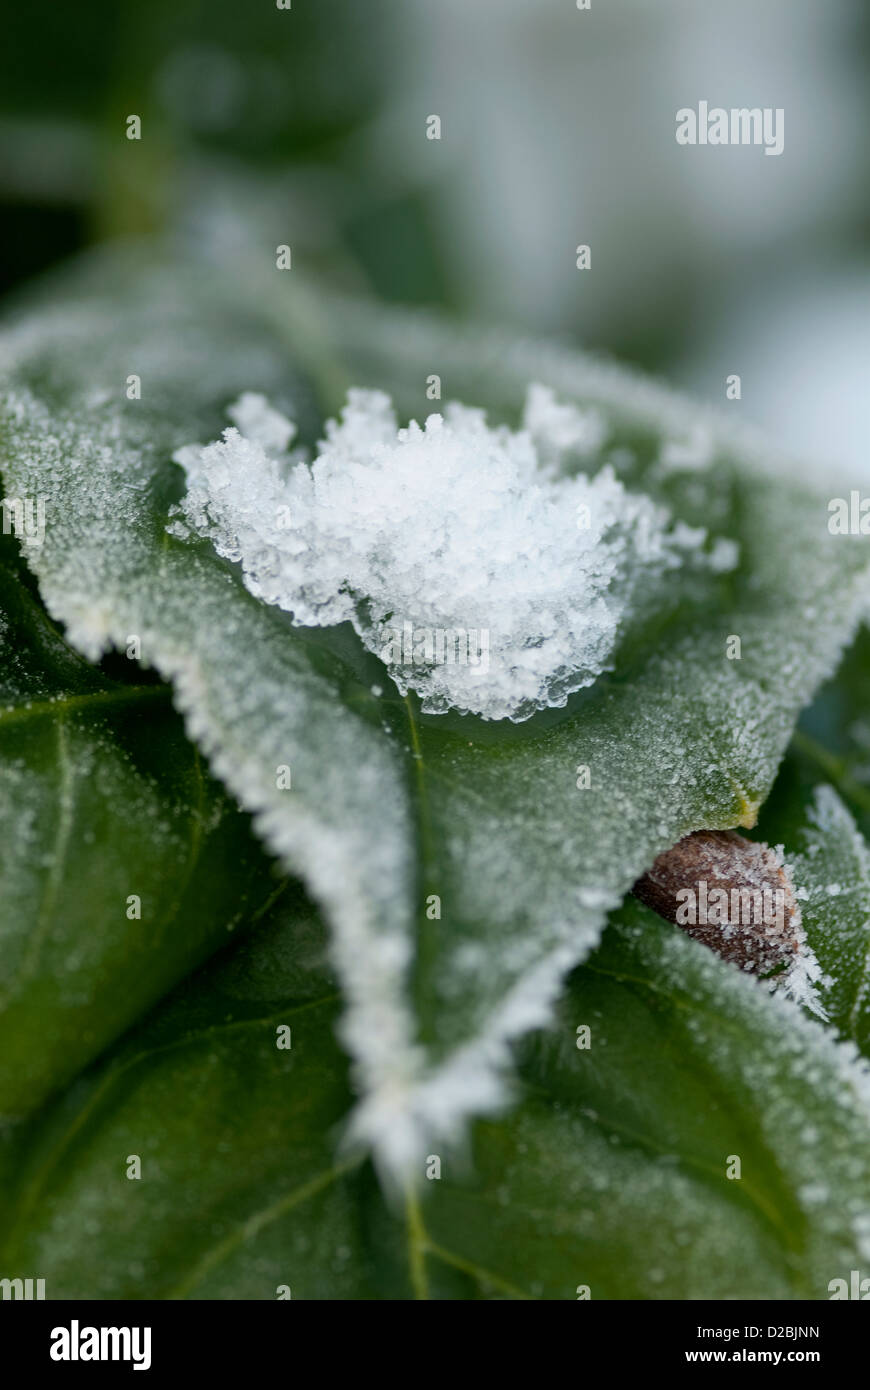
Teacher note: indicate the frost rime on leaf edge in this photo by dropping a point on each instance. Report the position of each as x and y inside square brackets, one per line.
[402, 1106]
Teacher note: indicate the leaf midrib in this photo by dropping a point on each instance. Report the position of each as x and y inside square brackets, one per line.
[34, 709]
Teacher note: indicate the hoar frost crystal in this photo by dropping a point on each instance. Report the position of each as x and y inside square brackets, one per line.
[486, 579]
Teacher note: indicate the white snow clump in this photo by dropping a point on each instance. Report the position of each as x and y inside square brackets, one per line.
[484, 578]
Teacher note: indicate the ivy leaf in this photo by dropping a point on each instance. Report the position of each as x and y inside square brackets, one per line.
[390, 810]
[829, 861]
[211, 1106]
[832, 742]
[709, 1142]
[123, 864]
[619, 1172]
[832, 871]
[819, 809]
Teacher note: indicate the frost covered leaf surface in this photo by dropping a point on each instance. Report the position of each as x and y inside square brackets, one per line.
[391, 808]
[122, 863]
[611, 1171]
[830, 867]
[820, 807]
[832, 872]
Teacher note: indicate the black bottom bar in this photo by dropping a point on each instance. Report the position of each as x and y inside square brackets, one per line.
[234, 1338]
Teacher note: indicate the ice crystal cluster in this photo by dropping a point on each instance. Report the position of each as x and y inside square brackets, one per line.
[485, 578]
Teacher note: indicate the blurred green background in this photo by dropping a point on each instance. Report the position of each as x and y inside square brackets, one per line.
[308, 126]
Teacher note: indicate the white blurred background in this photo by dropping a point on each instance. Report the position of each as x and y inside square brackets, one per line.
[558, 129]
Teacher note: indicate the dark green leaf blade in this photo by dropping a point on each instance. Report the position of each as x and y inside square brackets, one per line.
[612, 1172]
[123, 864]
[390, 813]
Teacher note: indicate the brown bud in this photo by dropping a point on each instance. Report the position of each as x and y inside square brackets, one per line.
[729, 893]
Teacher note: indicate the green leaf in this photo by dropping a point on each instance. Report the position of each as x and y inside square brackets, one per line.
[832, 870]
[612, 1172]
[122, 862]
[820, 810]
[214, 1110]
[829, 861]
[389, 807]
[832, 741]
